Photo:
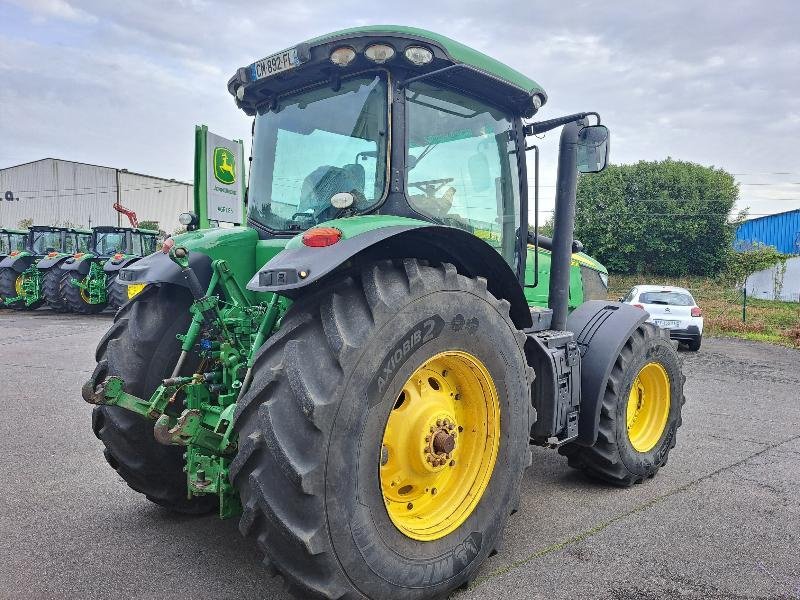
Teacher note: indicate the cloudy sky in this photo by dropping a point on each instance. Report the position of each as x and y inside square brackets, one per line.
[123, 83]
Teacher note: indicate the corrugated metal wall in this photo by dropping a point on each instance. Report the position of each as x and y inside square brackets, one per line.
[781, 230]
[54, 192]
[154, 199]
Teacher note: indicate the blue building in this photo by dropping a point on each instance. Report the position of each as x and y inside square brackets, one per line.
[781, 230]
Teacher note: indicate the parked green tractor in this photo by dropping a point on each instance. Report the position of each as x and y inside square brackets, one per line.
[11, 240]
[359, 373]
[26, 274]
[89, 279]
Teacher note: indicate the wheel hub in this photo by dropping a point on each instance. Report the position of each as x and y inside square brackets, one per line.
[648, 407]
[450, 405]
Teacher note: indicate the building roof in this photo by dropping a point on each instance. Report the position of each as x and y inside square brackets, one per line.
[76, 162]
[785, 212]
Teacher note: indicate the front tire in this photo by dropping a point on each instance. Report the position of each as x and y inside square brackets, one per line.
[141, 348]
[694, 345]
[312, 433]
[640, 414]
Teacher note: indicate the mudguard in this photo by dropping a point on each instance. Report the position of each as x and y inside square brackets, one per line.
[79, 265]
[48, 262]
[112, 266]
[601, 328]
[292, 271]
[159, 268]
[19, 263]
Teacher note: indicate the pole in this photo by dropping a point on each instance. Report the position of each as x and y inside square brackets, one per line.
[744, 304]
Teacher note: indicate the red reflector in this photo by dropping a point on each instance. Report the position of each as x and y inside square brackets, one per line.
[52, 254]
[638, 306]
[118, 256]
[78, 254]
[696, 312]
[167, 246]
[321, 237]
[14, 253]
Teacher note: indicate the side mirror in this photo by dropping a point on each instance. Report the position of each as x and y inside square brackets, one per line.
[593, 142]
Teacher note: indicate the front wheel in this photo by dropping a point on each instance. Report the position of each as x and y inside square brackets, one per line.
[694, 345]
[385, 434]
[116, 292]
[640, 414]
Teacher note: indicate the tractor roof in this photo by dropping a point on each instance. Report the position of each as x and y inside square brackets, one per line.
[480, 74]
[8, 230]
[55, 228]
[116, 229]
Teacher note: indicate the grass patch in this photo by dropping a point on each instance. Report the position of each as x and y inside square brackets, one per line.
[767, 320]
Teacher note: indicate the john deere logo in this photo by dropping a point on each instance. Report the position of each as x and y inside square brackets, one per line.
[224, 166]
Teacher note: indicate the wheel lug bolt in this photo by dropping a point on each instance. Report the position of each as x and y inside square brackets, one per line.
[438, 422]
[452, 463]
[429, 459]
[427, 438]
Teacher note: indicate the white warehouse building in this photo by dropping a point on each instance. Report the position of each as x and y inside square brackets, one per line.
[52, 191]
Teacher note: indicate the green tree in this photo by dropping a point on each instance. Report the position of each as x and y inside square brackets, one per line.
[665, 218]
[149, 225]
[744, 262]
[25, 223]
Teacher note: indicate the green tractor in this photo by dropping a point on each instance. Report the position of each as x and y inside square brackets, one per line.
[27, 274]
[358, 375]
[89, 279]
[11, 240]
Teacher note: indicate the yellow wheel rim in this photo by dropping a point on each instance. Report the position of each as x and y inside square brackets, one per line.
[648, 407]
[18, 285]
[440, 445]
[85, 296]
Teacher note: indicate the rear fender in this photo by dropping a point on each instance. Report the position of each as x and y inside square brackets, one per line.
[80, 266]
[112, 266]
[159, 268]
[601, 329]
[48, 262]
[394, 239]
[19, 263]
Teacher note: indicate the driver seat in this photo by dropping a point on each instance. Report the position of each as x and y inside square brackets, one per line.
[325, 181]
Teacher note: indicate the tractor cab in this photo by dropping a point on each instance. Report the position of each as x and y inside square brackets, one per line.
[43, 240]
[11, 240]
[120, 242]
[402, 122]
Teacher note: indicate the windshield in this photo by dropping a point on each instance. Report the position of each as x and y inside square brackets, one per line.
[110, 243]
[672, 298]
[315, 144]
[46, 241]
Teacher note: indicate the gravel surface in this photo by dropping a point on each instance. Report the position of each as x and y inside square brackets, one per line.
[720, 521]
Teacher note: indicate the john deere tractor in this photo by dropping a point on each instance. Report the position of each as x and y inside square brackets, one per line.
[11, 240]
[27, 274]
[89, 279]
[359, 373]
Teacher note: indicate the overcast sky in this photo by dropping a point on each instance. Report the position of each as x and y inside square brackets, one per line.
[122, 84]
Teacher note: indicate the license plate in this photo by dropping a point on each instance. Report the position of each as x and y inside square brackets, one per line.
[277, 63]
[666, 324]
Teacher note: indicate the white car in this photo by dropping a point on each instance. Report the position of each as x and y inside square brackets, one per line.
[671, 308]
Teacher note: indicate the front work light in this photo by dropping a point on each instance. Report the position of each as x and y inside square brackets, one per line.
[188, 220]
[418, 55]
[379, 53]
[342, 57]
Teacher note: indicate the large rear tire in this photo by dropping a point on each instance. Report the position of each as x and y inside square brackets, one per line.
[141, 348]
[313, 450]
[76, 298]
[116, 292]
[8, 286]
[51, 289]
[640, 414]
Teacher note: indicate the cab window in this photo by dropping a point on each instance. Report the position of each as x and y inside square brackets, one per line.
[461, 166]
